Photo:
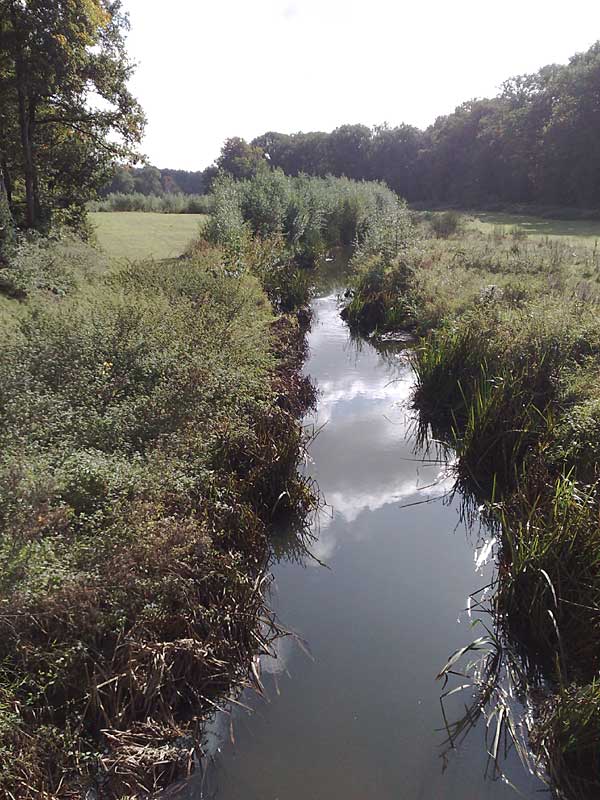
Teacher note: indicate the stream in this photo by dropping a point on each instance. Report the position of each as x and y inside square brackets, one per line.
[358, 715]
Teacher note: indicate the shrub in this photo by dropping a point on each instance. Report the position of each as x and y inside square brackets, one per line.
[175, 203]
[446, 224]
[55, 265]
[312, 213]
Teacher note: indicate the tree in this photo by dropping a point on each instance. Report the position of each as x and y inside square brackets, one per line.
[240, 159]
[148, 181]
[349, 150]
[122, 182]
[67, 113]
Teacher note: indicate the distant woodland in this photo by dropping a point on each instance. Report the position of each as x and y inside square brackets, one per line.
[537, 142]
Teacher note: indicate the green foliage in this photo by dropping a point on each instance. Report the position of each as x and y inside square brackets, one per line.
[226, 225]
[451, 277]
[150, 180]
[313, 214]
[533, 143]
[239, 159]
[147, 438]
[163, 204]
[446, 224]
[45, 265]
[567, 729]
[67, 111]
[276, 226]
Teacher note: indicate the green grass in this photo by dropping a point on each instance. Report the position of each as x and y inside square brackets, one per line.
[138, 235]
[584, 231]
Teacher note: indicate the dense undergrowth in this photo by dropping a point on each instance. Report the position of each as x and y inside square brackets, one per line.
[310, 215]
[149, 438]
[507, 376]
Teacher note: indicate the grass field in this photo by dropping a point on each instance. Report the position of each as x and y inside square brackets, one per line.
[585, 231]
[139, 235]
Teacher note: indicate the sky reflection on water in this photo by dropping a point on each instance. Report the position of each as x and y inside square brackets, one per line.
[361, 717]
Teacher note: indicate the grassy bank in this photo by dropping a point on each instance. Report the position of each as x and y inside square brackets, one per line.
[507, 375]
[140, 235]
[149, 439]
[582, 231]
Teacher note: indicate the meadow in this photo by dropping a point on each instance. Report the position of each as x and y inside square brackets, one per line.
[141, 235]
[578, 231]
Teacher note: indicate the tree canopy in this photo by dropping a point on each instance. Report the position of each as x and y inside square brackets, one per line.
[536, 142]
[66, 113]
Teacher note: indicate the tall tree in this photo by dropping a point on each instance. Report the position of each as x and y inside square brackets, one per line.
[68, 113]
[240, 159]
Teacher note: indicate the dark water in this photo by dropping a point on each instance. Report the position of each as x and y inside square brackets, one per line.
[361, 718]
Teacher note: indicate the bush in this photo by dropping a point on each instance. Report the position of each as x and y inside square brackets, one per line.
[55, 265]
[446, 224]
[313, 214]
[175, 203]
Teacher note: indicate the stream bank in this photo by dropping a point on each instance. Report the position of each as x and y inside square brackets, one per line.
[379, 603]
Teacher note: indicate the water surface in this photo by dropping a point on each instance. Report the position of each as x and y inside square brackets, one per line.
[361, 718]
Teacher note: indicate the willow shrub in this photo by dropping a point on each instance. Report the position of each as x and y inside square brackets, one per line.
[311, 214]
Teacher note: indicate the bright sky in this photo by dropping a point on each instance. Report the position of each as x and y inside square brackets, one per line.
[210, 69]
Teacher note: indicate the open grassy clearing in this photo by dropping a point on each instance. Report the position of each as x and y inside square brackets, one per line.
[138, 235]
[580, 231]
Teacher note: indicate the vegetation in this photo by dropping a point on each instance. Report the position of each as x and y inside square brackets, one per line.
[149, 180]
[149, 437]
[145, 235]
[149, 432]
[154, 204]
[66, 111]
[311, 215]
[506, 375]
[533, 143]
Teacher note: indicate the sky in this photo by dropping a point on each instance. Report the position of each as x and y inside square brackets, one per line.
[212, 69]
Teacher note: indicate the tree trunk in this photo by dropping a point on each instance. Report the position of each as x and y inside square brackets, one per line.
[7, 229]
[5, 176]
[25, 123]
[31, 136]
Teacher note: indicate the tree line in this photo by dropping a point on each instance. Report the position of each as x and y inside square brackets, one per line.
[151, 181]
[537, 142]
